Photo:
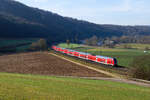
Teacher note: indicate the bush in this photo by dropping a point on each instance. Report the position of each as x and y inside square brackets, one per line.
[146, 48]
[126, 46]
[140, 67]
[40, 45]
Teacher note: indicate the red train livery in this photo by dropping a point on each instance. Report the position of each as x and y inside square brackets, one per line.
[87, 56]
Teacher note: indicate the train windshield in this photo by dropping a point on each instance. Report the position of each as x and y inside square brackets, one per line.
[115, 61]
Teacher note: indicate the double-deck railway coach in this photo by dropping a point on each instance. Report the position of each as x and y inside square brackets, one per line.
[87, 56]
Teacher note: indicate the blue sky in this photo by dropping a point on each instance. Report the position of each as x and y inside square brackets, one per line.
[121, 12]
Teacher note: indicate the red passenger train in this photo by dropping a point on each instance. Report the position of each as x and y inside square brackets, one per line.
[87, 56]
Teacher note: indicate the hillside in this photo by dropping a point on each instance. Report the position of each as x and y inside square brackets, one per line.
[35, 87]
[12, 26]
[19, 20]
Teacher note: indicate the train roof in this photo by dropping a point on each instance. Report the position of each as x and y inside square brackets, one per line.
[71, 50]
[84, 53]
[61, 48]
[98, 56]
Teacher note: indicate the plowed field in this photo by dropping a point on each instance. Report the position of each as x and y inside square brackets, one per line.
[42, 63]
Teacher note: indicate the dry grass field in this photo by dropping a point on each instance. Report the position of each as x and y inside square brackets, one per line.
[41, 63]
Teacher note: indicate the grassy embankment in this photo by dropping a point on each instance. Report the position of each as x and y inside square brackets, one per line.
[19, 45]
[124, 56]
[71, 45]
[34, 87]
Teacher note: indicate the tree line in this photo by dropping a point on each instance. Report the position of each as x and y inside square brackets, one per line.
[108, 41]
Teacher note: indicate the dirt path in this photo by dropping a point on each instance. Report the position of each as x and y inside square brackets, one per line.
[115, 77]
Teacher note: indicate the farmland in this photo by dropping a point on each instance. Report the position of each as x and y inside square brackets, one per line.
[35, 87]
[124, 56]
[42, 63]
[134, 46]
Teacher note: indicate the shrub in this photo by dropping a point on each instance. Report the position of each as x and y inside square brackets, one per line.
[40, 45]
[140, 67]
[126, 46]
[146, 48]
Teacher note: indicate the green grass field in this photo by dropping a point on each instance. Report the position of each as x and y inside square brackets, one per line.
[134, 45]
[71, 45]
[10, 42]
[14, 42]
[34, 87]
[124, 56]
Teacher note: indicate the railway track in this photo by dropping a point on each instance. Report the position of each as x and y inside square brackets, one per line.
[117, 69]
[89, 67]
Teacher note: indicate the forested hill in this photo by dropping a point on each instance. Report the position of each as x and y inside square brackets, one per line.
[19, 20]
